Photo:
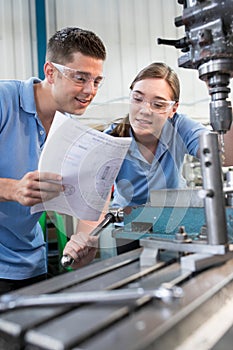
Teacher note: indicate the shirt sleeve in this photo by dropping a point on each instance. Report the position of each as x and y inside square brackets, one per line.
[190, 131]
[109, 129]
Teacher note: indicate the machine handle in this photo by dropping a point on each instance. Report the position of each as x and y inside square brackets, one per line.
[67, 260]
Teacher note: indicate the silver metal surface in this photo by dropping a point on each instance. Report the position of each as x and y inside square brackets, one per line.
[187, 197]
[229, 182]
[183, 247]
[212, 183]
[165, 292]
[142, 324]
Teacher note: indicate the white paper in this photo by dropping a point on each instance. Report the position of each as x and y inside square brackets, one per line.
[88, 161]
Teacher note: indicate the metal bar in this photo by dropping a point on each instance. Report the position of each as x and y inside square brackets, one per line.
[164, 292]
[192, 247]
[212, 184]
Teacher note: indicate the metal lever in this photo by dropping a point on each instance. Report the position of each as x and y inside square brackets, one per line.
[179, 43]
[66, 260]
[164, 292]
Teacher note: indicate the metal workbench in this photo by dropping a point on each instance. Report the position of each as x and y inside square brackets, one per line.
[146, 323]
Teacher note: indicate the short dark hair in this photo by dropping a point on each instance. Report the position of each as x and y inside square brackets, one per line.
[67, 41]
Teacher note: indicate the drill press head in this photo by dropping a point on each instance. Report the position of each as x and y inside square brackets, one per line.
[208, 47]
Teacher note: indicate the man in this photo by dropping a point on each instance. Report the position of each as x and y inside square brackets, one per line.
[73, 73]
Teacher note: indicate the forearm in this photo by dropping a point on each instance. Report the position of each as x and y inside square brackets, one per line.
[7, 189]
[86, 226]
[82, 247]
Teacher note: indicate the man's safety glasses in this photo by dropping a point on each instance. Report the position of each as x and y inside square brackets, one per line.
[77, 77]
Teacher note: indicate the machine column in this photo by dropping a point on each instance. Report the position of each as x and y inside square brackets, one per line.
[213, 189]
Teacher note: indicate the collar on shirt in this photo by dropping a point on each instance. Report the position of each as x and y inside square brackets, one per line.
[26, 93]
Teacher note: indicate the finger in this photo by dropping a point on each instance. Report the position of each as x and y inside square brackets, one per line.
[82, 253]
[75, 248]
[50, 187]
[86, 259]
[42, 194]
[84, 239]
[47, 176]
[72, 249]
[80, 239]
[43, 181]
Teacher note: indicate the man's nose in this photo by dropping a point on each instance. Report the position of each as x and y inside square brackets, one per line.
[89, 87]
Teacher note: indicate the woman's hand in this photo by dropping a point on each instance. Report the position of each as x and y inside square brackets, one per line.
[82, 248]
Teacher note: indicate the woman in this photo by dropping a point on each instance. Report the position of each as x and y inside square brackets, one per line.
[160, 137]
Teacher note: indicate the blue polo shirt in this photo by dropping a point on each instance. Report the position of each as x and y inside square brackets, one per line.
[137, 177]
[22, 136]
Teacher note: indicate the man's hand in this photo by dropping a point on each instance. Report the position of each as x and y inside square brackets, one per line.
[36, 187]
[82, 248]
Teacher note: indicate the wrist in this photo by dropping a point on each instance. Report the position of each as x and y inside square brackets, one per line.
[7, 190]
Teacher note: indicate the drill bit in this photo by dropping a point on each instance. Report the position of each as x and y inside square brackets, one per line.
[222, 147]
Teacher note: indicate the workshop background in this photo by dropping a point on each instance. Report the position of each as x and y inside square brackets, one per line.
[129, 29]
[183, 300]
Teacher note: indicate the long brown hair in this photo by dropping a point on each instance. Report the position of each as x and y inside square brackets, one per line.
[154, 70]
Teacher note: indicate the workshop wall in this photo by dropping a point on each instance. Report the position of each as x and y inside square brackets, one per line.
[129, 28]
[17, 39]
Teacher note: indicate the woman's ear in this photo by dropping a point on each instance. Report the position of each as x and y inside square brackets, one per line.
[173, 110]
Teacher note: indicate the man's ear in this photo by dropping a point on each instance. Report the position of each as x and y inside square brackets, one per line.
[49, 72]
